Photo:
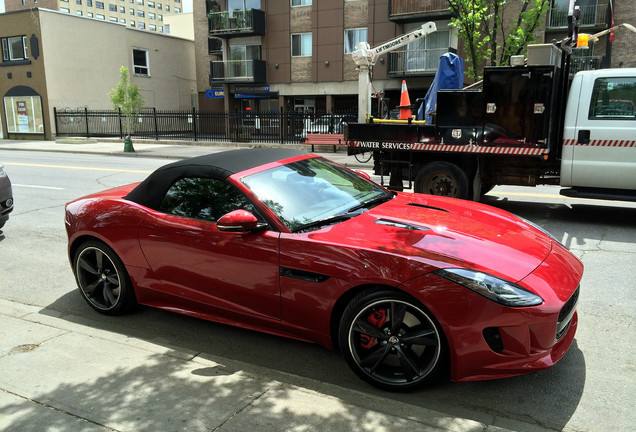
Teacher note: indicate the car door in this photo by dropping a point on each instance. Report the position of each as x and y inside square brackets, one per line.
[604, 153]
[194, 259]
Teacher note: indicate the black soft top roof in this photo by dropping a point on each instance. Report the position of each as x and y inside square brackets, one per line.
[218, 166]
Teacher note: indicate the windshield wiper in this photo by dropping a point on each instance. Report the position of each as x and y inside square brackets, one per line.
[371, 203]
[326, 221]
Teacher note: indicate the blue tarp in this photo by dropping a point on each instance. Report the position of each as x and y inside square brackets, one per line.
[449, 76]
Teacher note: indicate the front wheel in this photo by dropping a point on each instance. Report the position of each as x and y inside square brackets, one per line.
[102, 279]
[363, 157]
[443, 179]
[391, 341]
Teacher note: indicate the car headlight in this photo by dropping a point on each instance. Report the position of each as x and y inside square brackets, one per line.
[3, 173]
[493, 288]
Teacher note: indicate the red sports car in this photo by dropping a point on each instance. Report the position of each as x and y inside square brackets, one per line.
[407, 286]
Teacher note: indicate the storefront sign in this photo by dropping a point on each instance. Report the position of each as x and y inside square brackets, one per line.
[214, 94]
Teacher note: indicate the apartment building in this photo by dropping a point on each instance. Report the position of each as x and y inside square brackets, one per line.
[296, 54]
[139, 14]
[56, 60]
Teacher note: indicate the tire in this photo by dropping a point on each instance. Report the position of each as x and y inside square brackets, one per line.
[102, 279]
[391, 341]
[443, 179]
[363, 157]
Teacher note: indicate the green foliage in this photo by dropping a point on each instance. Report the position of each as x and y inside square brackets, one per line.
[126, 97]
[481, 24]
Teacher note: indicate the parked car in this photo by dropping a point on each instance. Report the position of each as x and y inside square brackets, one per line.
[6, 196]
[407, 286]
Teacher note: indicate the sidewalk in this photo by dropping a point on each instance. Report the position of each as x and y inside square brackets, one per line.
[164, 149]
[66, 374]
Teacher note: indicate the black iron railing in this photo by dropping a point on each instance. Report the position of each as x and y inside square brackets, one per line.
[193, 125]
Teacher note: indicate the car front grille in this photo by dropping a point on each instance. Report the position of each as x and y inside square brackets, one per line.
[565, 316]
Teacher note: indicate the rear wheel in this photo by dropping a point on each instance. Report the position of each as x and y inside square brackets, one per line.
[102, 278]
[443, 179]
[391, 341]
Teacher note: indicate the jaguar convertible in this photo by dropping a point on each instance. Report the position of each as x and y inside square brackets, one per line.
[409, 287]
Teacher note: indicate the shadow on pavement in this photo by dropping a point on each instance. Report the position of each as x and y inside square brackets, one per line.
[547, 399]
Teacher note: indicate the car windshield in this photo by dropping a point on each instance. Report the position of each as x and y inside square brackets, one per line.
[311, 193]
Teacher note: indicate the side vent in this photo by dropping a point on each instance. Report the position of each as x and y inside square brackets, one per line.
[428, 207]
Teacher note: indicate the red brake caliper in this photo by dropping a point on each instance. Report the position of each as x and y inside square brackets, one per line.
[377, 318]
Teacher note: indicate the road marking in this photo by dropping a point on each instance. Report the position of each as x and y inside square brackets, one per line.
[37, 187]
[75, 167]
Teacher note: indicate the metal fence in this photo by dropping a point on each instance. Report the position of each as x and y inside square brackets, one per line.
[193, 125]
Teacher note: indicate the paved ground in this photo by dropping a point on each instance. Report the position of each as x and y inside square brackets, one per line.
[61, 374]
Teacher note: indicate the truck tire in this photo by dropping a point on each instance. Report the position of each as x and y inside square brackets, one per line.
[443, 179]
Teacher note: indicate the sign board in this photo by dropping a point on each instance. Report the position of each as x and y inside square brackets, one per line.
[23, 116]
[242, 89]
[214, 93]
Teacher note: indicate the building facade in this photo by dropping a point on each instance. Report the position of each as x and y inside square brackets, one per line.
[49, 62]
[295, 54]
[139, 14]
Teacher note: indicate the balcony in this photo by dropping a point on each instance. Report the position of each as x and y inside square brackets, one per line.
[583, 63]
[418, 10]
[414, 62]
[237, 71]
[590, 16]
[239, 22]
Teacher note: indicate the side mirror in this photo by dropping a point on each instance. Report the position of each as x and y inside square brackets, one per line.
[240, 221]
[363, 174]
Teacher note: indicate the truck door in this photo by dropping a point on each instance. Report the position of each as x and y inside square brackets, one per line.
[604, 137]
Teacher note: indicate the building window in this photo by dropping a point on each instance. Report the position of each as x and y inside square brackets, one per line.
[160, 17]
[132, 23]
[100, 16]
[132, 11]
[177, 10]
[24, 114]
[89, 3]
[159, 6]
[112, 7]
[99, 5]
[122, 21]
[301, 44]
[113, 19]
[89, 14]
[122, 9]
[78, 13]
[79, 2]
[140, 2]
[244, 4]
[141, 64]
[353, 37]
[300, 2]
[65, 10]
[167, 8]
[140, 13]
[152, 27]
[151, 15]
[151, 4]
[160, 29]
[167, 29]
[141, 25]
[14, 48]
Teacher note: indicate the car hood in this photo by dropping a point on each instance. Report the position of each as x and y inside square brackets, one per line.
[447, 232]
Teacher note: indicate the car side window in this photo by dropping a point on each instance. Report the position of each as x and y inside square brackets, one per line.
[614, 98]
[204, 198]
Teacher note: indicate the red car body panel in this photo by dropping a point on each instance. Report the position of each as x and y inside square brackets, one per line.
[290, 283]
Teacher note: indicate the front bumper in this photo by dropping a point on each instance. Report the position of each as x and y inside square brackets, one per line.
[487, 340]
[6, 199]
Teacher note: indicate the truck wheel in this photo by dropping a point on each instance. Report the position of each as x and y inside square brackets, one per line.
[442, 178]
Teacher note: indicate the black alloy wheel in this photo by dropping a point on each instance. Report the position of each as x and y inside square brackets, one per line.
[391, 341]
[102, 279]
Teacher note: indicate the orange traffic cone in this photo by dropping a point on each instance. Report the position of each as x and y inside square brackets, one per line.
[405, 103]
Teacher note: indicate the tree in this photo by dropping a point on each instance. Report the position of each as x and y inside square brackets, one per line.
[127, 99]
[482, 26]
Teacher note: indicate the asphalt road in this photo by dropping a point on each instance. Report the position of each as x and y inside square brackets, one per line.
[592, 388]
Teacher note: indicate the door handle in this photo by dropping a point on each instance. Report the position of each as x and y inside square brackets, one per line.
[157, 237]
[584, 137]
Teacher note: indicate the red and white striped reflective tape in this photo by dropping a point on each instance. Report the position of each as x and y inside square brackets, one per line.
[450, 148]
[602, 143]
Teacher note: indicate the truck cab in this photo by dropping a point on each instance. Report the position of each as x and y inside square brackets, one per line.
[599, 135]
